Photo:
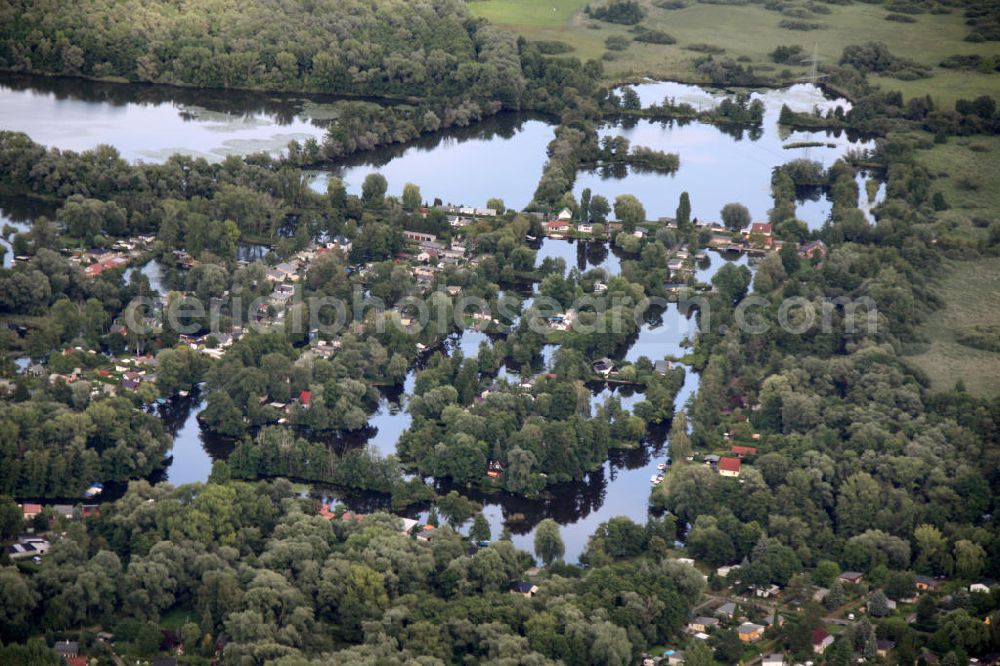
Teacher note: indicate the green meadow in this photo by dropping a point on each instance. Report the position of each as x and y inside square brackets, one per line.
[751, 31]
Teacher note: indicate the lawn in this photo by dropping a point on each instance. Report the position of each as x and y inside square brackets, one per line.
[753, 32]
[971, 294]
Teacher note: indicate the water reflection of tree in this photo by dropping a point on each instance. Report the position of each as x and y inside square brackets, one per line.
[566, 503]
[501, 126]
[592, 253]
[282, 108]
[176, 413]
[24, 210]
[737, 132]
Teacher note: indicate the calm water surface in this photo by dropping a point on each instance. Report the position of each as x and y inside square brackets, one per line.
[150, 123]
[464, 166]
[719, 166]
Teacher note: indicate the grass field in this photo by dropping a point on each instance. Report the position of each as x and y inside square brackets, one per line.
[971, 292]
[753, 31]
[967, 172]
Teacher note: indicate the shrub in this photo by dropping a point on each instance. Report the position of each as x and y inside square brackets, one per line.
[616, 43]
[789, 24]
[911, 74]
[971, 61]
[653, 36]
[797, 12]
[982, 336]
[553, 47]
[876, 57]
[968, 183]
[786, 54]
[627, 12]
[900, 18]
[905, 8]
[705, 48]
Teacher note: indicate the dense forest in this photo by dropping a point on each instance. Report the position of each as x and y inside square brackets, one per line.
[392, 48]
[269, 580]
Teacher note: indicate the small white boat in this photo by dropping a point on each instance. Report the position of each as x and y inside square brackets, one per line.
[94, 490]
[661, 466]
[654, 479]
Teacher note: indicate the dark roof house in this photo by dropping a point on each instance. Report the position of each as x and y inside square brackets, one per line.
[67, 649]
[523, 588]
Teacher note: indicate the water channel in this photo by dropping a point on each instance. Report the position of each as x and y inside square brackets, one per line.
[502, 157]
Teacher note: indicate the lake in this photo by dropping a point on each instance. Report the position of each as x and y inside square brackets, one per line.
[463, 166]
[149, 123]
[720, 166]
[502, 157]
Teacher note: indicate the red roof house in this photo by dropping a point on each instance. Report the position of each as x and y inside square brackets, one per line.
[29, 511]
[305, 398]
[759, 233]
[742, 451]
[729, 466]
[821, 640]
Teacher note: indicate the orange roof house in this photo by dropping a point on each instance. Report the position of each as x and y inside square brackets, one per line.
[29, 511]
[729, 466]
[762, 231]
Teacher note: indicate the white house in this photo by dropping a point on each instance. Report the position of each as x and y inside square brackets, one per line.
[983, 586]
[565, 214]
